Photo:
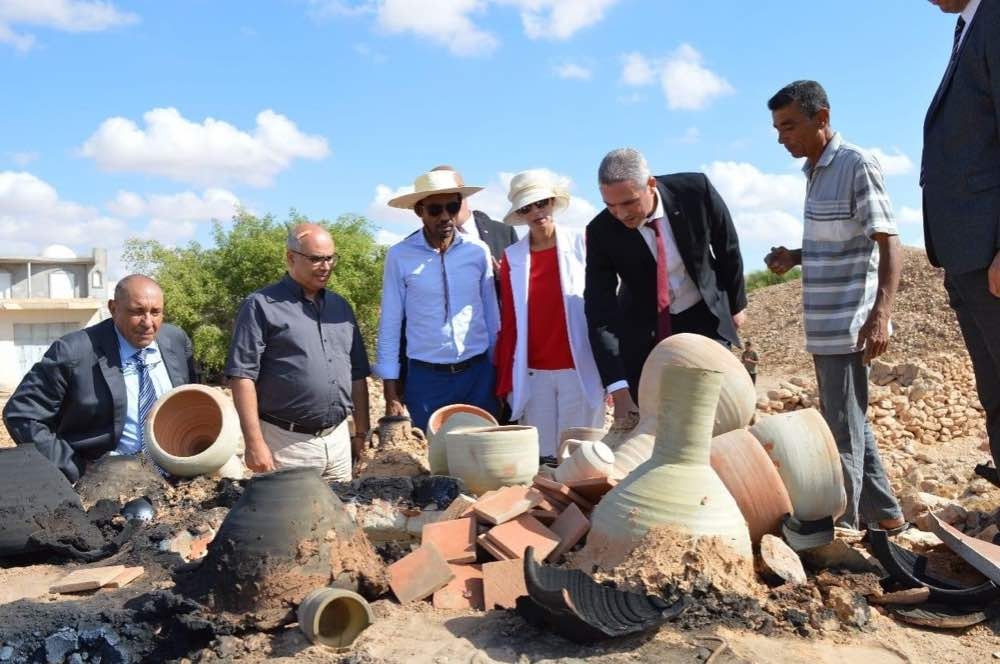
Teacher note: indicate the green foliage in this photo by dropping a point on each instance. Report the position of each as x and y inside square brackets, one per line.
[204, 286]
[762, 278]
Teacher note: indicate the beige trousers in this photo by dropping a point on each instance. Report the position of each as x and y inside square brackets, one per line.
[330, 453]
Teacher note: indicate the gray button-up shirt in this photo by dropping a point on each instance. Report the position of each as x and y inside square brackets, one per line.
[302, 355]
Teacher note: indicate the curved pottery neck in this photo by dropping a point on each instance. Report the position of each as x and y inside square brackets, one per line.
[688, 400]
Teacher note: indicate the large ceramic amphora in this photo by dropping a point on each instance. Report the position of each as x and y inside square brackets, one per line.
[488, 458]
[676, 485]
[804, 451]
[193, 430]
[449, 418]
[287, 535]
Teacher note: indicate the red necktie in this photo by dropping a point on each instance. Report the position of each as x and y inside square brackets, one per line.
[662, 284]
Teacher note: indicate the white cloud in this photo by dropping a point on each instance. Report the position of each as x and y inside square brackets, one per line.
[909, 216]
[445, 22]
[210, 152]
[22, 159]
[558, 19]
[62, 15]
[184, 207]
[572, 71]
[323, 9]
[387, 238]
[687, 84]
[892, 164]
[637, 70]
[32, 215]
[766, 207]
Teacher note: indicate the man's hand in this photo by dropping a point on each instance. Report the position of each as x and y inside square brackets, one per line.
[874, 334]
[394, 407]
[739, 318]
[993, 275]
[780, 260]
[258, 457]
[626, 412]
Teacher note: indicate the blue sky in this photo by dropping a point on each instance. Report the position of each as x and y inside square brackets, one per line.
[151, 118]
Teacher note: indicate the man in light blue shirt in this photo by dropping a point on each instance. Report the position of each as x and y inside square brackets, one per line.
[130, 441]
[441, 282]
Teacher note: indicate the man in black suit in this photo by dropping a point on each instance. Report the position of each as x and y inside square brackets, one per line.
[672, 244]
[960, 176]
[82, 398]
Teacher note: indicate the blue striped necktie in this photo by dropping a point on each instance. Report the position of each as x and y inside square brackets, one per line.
[147, 395]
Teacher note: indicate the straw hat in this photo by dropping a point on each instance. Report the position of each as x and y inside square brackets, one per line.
[529, 187]
[428, 184]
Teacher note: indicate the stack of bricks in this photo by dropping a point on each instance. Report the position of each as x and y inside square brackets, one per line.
[472, 557]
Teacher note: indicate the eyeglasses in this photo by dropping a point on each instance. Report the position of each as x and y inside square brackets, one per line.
[435, 209]
[538, 205]
[317, 260]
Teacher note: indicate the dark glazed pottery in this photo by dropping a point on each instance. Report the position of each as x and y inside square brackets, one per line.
[287, 535]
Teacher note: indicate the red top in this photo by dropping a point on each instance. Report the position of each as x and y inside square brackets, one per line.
[548, 339]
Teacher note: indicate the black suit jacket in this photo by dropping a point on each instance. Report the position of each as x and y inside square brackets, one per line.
[960, 167]
[71, 404]
[622, 320]
[495, 234]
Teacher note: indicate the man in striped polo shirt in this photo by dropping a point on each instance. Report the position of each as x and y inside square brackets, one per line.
[851, 260]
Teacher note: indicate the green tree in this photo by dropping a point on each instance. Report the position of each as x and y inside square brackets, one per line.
[204, 286]
[761, 278]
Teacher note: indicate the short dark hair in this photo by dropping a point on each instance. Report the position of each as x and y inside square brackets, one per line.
[809, 94]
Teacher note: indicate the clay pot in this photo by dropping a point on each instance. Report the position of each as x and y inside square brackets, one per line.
[676, 486]
[576, 433]
[334, 617]
[636, 448]
[32, 486]
[192, 430]
[395, 430]
[750, 476]
[449, 418]
[802, 448]
[738, 397]
[287, 535]
[589, 459]
[488, 458]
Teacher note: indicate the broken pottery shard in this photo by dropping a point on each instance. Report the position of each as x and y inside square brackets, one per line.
[907, 597]
[780, 560]
[984, 556]
[941, 617]
[838, 554]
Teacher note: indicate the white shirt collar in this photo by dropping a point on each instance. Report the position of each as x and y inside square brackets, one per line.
[969, 12]
[658, 211]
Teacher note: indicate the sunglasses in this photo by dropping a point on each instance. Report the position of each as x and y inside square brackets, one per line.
[538, 205]
[435, 209]
[317, 260]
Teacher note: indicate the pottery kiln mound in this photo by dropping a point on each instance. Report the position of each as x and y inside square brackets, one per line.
[117, 477]
[288, 535]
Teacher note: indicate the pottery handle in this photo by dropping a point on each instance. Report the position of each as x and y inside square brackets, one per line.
[375, 440]
[417, 433]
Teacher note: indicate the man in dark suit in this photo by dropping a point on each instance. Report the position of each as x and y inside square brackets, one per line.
[672, 244]
[84, 398]
[960, 176]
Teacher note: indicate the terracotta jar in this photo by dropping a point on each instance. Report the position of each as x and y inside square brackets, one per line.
[488, 458]
[193, 430]
[287, 535]
[750, 475]
[334, 617]
[32, 486]
[448, 418]
[802, 448]
[590, 459]
[576, 433]
[677, 485]
[738, 396]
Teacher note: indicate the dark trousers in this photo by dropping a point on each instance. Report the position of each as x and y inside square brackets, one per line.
[978, 313]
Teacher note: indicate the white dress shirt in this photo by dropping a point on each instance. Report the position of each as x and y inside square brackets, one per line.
[967, 15]
[684, 292]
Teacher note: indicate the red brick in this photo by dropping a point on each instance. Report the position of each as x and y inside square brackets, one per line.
[503, 583]
[545, 516]
[419, 574]
[507, 503]
[593, 489]
[515, 536]
[570, 527]
[465, 591]
[489, 547]
[553, 488]
[455, 539]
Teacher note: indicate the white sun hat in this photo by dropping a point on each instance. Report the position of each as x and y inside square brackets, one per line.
[428, 184]
[532, 186]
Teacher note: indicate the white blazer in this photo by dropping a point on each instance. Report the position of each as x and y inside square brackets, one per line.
[572, 252]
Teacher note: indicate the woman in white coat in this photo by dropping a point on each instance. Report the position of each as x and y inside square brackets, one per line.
[545, 367]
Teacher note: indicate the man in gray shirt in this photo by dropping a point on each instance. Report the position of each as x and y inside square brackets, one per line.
[297, 366]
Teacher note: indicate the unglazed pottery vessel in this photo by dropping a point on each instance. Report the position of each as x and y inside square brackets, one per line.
[803, 450]
[737, 398]
[576, 433]
[192, 430]
[677, 485]
[334, 617]
[488, 458]
[750, 475]
[589, 459]
[448, 418]
[636, 448]
[395, 430]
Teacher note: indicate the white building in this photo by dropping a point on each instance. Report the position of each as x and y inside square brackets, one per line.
[43, 298]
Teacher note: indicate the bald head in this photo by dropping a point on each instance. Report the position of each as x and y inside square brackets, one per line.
[463, 214]
[305, 233]
[137, 309]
